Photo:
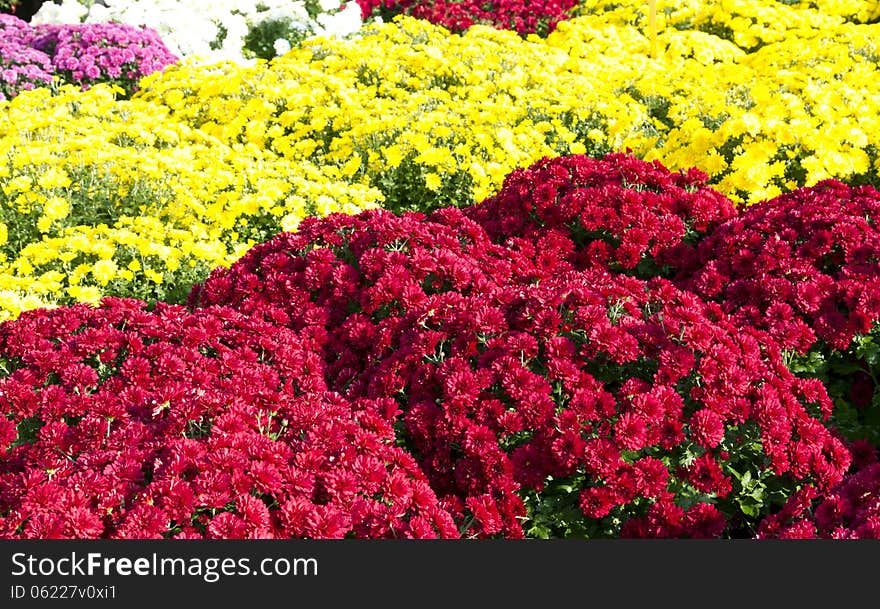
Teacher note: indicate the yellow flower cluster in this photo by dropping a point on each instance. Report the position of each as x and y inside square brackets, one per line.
[787, 115]
[749, 24]
[102, 196]
[859, 11]
[431, 118]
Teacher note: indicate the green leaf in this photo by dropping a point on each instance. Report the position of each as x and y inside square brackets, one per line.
[749, 510]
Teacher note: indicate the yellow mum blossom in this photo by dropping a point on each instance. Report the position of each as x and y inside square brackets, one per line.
[86, 294]
[54, 177]
[154, 276]
[104, 271]
[56, 208]
[433, 181]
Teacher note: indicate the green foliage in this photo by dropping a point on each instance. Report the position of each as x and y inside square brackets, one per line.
[851, 378]
[260, 39]
[27, 431]
[405, 188]
[554, 513]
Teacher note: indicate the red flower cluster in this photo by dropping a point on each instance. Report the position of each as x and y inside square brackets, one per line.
[620, 213]
[523, 16]
[851, 510]
[515, 361]
[127, 423]
[804, 266]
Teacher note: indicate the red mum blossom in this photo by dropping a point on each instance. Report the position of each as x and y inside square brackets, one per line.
[706, 476]
[597, 501]
[8, 433]
[707, 428]
[630, 431]
[704, 521]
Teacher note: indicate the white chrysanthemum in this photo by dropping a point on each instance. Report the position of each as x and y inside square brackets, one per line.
[167, 19]
[98, 14]
[281, 47]
[295, 11]
[69, 11]
[344, 23]
[236, 28]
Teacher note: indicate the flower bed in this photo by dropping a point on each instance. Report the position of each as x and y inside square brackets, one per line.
[531, 376]
[412, 118]
[538, 336]
[528, 385]
[849, 511]
[805, 268]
